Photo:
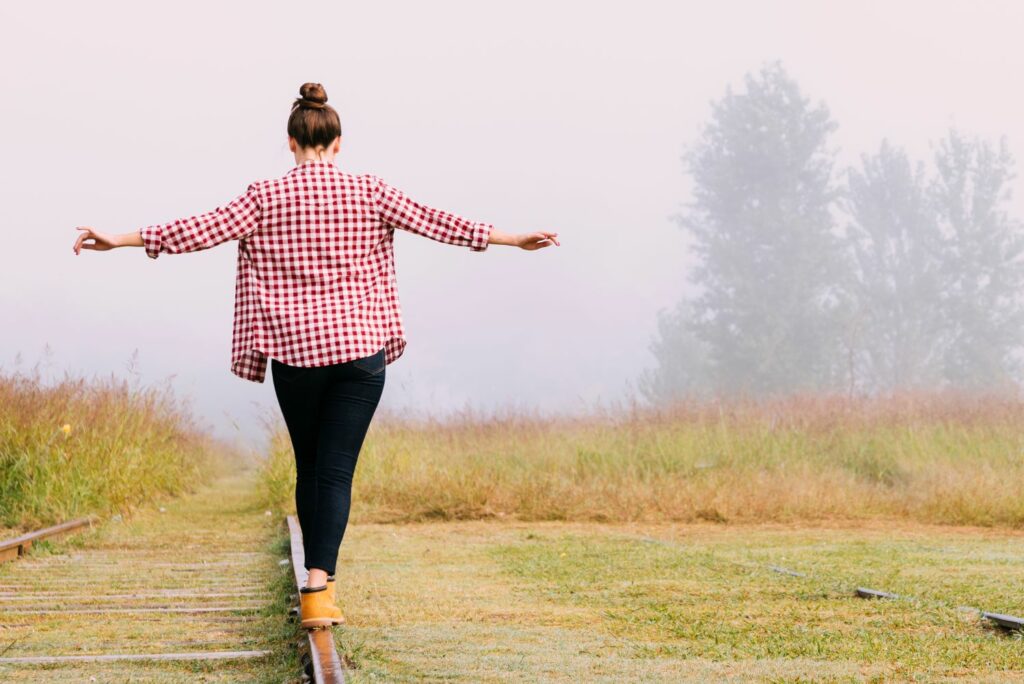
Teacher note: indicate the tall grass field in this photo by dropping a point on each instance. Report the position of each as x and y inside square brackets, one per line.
[949, 458]
[101, 446]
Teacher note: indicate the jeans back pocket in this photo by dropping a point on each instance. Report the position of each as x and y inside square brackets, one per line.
[373, 364]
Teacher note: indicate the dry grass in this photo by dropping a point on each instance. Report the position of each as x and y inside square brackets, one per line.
[94, 446]
[939, 458]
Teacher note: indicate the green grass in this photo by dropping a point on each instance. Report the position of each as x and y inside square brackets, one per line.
[550, 601]
[95, 446]
[695, 601]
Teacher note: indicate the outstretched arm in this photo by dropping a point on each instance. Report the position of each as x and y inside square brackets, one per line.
[531, 241]
[233, 221]
[399, 211]
[101, 242]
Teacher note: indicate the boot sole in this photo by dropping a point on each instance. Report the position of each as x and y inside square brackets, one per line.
[316, 622]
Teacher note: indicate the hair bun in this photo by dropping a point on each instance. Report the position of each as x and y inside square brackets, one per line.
[312, 95]
[312, 122]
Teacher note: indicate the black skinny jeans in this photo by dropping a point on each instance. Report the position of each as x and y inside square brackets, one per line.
[327, 410]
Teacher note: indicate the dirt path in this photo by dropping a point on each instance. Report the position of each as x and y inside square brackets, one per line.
[201, 575]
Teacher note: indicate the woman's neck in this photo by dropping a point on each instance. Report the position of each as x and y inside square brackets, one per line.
[323, 158]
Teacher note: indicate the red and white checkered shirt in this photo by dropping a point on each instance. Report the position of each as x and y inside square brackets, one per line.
[315, 283]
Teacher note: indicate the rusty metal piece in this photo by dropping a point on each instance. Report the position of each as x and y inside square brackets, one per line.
[323, 656]
[786, 571]
[874, 593]
[19, 546]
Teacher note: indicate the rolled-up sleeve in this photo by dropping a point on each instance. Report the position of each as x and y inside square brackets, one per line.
[235, 220]
[399, 211]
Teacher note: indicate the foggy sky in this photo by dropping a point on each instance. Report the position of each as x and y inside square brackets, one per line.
[569, 116]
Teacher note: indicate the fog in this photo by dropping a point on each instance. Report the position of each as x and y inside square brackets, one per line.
[567, 116]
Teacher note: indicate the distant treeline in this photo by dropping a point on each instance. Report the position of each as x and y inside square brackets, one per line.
[895, 273]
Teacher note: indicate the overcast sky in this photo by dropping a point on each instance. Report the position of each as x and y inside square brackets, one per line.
[568, 116]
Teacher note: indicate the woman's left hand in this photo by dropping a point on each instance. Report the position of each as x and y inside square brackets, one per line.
[101, 242]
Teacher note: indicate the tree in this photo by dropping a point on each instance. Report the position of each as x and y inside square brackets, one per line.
[896, 249]
[763, 229]
[982, 272]
[682, 359]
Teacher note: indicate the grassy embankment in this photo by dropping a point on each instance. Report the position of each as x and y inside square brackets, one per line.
[949, 459]
[81, 446]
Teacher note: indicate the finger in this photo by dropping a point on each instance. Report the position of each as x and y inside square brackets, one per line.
[81, 237]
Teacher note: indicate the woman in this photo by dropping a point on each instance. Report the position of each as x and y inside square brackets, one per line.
[316, 293]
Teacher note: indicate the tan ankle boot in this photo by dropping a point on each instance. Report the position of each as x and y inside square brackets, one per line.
[316, 608]
[334, 599]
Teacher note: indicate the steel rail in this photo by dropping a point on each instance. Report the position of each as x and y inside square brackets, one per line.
[19, 546]
[324, 666]
[1010, 622]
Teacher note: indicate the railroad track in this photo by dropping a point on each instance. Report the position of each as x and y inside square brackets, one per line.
[155, 598]
[182, 596]
[319, 655]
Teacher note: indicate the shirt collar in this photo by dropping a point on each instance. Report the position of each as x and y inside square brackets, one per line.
[310, 163]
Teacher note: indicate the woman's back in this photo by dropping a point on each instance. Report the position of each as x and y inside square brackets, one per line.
[321, 244]
[316, 281]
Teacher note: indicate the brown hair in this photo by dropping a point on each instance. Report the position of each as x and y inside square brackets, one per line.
[313, 123]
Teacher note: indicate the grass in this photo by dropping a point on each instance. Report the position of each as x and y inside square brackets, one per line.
[934, 458]
[487, 601]
[628, 546]
[635, 545]
[95, 446]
